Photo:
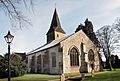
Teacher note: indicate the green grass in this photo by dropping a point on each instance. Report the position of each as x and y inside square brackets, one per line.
[39, 77]
[105, 76]
[72, 75]
[101, 76]
[34, 77]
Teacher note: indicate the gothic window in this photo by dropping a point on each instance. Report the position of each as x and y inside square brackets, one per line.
[45, 59]
[39, 59]
[32, 64]
[33, 61]
[74, 57]
[53, 59]
[91, 55]
[39, 63]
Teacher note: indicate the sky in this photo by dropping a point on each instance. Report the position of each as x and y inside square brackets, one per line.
[71, 14]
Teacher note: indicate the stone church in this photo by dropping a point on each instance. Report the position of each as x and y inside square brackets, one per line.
[74, 53]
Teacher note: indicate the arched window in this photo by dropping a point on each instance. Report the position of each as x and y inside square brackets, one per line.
[39, 64]
[39, 59]
[91, 55]
[53, 59]
[74, 57]
[32, 64]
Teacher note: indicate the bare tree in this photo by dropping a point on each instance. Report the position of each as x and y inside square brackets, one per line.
[17, 18]
[107, 37]
[116, 25]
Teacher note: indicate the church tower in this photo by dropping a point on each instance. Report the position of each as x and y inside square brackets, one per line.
[55, 30]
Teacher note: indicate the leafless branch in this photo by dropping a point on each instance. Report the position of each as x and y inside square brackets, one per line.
[18, 20]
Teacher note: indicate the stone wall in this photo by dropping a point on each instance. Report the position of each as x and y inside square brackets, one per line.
[63, 58]
[75, 40]
[46, 61]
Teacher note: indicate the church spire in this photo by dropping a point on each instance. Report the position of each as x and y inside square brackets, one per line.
[55, 30]
[55, 24]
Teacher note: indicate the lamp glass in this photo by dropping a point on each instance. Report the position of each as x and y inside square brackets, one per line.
[8, 37]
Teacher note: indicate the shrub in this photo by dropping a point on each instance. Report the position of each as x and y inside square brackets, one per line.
[18, 66]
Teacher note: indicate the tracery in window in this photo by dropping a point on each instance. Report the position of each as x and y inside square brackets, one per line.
[74, 57]
[91, 55]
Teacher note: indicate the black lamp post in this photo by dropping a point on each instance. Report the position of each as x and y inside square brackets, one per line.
[8, 39]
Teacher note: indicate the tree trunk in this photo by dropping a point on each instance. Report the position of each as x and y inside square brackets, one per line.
[110, 65]
[109, 56]
[101, 62]
[109, 59]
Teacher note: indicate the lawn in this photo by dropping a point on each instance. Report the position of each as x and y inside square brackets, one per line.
[34, 77]
[105, 76]
[39, 77]
[101, 76]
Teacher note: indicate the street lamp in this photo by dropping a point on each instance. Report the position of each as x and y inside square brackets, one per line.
[8, 39]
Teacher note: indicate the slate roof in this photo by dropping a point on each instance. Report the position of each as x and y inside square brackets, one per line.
[55, 42]
[51, 44]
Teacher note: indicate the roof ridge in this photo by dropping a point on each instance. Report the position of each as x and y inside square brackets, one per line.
[48, 45]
